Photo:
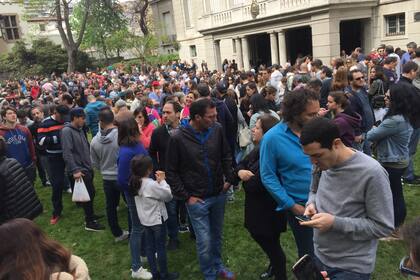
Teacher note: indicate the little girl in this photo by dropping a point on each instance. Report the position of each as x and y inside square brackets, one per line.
[150, 197]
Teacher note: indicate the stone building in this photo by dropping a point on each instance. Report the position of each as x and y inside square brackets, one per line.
[278, 31]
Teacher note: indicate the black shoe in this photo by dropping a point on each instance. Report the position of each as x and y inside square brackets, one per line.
[268, 273]
[94, 226]
[170, 276]
[97, 217]
[183, 229]
[173, 244]
[414, 181]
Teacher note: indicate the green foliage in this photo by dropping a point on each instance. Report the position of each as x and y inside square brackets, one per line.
[106, 27]
[42, 58]
[143, 46]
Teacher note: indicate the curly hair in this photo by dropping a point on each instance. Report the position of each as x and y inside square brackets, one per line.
[294, 103]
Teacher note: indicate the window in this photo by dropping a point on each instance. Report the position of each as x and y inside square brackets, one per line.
[193, 51]
[10, 28]
[187, 12]
[167, 25]
[234, 45]
[395, 24]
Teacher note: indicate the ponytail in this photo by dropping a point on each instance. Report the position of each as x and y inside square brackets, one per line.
[139, 168]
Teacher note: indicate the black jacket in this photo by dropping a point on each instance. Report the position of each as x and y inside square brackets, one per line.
[17, 195]
[158, 146]
[196, 162]
[261, 217]
[406, 85]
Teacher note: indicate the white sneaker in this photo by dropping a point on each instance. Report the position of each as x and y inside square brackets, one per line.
[142, 273]
[123, 236]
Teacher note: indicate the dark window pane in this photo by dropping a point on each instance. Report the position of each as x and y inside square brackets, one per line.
[9, 34]
[7, 21]
[13, 21]
[16, 33]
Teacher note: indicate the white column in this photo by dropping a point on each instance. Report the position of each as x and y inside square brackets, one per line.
[217, 62]
[282, 48]
[274, 49]
[245, 53]
[239, 53]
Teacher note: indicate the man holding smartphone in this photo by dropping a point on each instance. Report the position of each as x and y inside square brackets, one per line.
[348, 213]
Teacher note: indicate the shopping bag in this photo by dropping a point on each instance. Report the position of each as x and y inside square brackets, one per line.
[244, 135]
[80, 193]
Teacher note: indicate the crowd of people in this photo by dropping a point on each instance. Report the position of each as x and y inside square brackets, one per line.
[330, 144]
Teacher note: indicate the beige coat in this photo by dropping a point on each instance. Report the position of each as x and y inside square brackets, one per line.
[76, 264]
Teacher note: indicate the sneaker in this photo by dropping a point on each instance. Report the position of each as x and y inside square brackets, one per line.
[268, 273]
[69, 190]
[169, 276]
[231, 199]
[123, 236]
[226, 274]
[183, 229]
[414, 181]
[173, 244]
[141, 273]
[94, 226]
[54, 220]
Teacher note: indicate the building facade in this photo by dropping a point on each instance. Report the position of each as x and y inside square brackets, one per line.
[255, 32]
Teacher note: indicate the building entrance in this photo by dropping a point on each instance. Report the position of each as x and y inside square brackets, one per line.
[298, 43]
[350, 35]
[259, 50]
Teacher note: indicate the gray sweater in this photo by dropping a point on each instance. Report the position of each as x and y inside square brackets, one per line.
[104, 153]
[358, 194]
[76, 152]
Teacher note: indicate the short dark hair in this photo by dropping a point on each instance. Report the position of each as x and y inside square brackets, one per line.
[61, 109]
[390, 59]
[389, 49]
[327, 70]
[267, 122]
[320, 130]
[317, 63]
[22, 113]
[294, 103]
[259, 103]
[67, 98]
[177, 107]
[128, 132]
[203, 89]
[412, 45]
[410, 66]
[350, 75]
[106, 115]
[200, 106]
[7, 108]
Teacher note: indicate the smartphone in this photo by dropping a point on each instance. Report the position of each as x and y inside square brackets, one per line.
[303, 218]
[305, 269]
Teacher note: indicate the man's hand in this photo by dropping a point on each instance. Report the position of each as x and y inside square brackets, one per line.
[245, 175]
[297, 209]
[325, 275]
[358, 139]
[193, 200]
[226, 186]
[160, 176]
[321, 221]
[322, 112]
[78, 175]
[310, 210]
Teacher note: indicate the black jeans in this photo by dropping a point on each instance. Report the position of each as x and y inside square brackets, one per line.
[87, 206]
[41, 168]
[56, 173]
[112, 198]
[400, 210]
[156, 242]
[271, 246]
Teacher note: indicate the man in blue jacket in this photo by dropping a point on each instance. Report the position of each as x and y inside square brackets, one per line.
[92, 113]
[285, 169]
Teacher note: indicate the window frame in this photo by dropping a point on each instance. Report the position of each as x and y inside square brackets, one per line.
[14, 29]
[193, 50]
[400, 29]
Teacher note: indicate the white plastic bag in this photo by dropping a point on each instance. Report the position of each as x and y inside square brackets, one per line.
[80, 193]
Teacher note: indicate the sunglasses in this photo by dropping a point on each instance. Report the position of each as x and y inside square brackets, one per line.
[358, 79]
[405, 270]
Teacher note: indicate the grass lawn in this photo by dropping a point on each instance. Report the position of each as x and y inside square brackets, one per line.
[109, 260]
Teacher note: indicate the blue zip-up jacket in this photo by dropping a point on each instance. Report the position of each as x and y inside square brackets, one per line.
[92, 113]
[392, 137]
[125, 154]
[284, 169]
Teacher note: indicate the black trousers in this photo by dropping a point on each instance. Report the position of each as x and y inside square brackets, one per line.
[400, 211]
[271, 246]
[87, 206]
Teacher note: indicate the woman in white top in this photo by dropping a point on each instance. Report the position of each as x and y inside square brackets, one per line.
[150, 197]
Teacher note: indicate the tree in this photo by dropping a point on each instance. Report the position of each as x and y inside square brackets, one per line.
[106, 28]
[138, 11]
[143, 46]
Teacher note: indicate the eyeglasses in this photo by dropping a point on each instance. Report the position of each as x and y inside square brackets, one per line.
[359, 78]
[405, 270]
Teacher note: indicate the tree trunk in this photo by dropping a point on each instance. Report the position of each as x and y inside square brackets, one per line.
[72, 60]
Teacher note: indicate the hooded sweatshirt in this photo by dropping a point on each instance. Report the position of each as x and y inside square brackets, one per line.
[92, 113]
[19, 144]
[76, 152]
[349, 124]
[104, 153]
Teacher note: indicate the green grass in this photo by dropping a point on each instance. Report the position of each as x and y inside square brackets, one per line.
[109, 260]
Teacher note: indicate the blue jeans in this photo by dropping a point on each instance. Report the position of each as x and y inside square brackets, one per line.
[412, 148]
[112, 199]
[136, 233]
[207, 221]
[172, 223]
[303, 236]
[156, 242]
[340, 274]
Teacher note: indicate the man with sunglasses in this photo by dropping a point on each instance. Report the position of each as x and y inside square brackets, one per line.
[359, 103]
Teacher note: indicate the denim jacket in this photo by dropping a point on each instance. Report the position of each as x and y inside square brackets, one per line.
[392, 137]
